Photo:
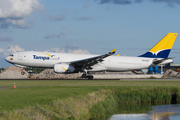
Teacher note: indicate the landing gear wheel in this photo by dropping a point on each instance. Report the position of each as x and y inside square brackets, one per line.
[83, 76]
[87, 75]
[90, 77]
[22, 73]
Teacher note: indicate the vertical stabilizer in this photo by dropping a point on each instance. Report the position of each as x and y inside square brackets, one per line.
[162, 48]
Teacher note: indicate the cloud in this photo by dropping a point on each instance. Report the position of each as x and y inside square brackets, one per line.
[1, 50]
[167, 1]
[65, 10]
[56, 50]
[55, 36]
[86, 5]
[50, 36]
[79, 51]
[107, 8]
[55, 17]
[170, 3]
[5, 39]
[10, 49]
[13, 48]
[69, 49]
[15, 12]
[7, 31]
[63, 32]
[59, 17]
[83, 18]
[122, 2]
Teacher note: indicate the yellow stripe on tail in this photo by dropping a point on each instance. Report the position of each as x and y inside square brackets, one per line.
[166, 43]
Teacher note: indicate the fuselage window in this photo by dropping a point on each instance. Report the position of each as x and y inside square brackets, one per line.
[11, 55]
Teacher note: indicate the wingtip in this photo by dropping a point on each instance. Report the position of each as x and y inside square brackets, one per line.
[112, 51]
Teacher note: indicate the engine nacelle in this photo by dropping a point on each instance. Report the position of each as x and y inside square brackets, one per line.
[63, 68]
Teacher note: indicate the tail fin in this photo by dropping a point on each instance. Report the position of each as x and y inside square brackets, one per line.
[162, 48]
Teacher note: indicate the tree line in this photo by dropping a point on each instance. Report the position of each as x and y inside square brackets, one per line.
[1, 69]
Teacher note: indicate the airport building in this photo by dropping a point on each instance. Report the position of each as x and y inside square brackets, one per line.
[173, 66]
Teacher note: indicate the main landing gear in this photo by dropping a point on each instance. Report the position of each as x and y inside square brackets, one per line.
[22, 73]
[87, 75]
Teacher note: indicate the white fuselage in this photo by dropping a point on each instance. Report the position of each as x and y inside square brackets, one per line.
[48, 60]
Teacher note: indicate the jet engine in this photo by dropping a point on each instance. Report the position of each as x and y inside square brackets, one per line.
[63, 68]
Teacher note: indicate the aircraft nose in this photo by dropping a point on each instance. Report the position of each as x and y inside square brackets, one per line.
[6, 59]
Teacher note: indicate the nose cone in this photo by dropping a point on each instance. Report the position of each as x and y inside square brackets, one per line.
[7, 59]
[10, 59]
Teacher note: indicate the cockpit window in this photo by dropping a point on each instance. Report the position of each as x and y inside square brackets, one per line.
[11, 55]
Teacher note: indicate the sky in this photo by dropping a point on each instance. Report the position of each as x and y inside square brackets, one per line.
[87, 26]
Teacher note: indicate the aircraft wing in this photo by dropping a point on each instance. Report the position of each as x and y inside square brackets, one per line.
[93, 60]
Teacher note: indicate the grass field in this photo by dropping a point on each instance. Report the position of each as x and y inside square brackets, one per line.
[45, 83]
[30, 92]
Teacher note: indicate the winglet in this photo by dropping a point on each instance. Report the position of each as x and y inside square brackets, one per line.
[112, 51]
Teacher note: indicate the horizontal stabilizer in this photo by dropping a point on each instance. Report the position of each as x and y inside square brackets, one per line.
[156, 62]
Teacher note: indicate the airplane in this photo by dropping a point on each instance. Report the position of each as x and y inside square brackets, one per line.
[66, 63]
